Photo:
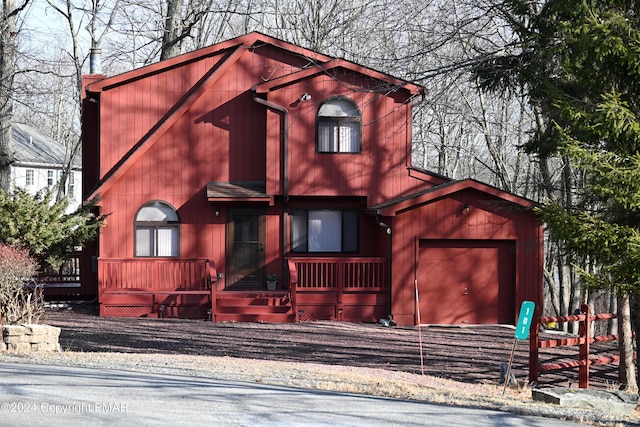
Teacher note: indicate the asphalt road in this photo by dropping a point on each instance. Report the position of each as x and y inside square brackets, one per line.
[39, 395]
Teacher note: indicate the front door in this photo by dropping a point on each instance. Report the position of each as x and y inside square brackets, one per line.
[245, 246]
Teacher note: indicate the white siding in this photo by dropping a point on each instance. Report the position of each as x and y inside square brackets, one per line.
[40, 178]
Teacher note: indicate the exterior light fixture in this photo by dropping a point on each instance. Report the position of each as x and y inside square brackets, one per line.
[466, 208]
[305, 97]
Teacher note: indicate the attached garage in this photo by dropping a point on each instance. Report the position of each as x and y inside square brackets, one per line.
[466, 281]
[462, 252]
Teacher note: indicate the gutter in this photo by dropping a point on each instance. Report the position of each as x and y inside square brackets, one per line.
[285, 137]
[285, 167]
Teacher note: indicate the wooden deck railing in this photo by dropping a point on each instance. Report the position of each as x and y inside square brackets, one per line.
[340, 273]
[338, 288]
[154, 273]
[147, 286]
[69, 272]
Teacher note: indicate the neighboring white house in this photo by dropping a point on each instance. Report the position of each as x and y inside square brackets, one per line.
[38, 163]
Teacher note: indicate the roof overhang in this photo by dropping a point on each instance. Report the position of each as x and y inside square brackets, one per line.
[226, 192]
[328, 67]
[253, 40]
[395, 206]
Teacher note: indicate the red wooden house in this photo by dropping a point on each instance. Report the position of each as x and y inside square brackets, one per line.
[255, 157]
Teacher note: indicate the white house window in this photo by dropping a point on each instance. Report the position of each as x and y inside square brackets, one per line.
[324, 230]
[29, 180]
[157, 231]
[72, 184]
[50, 179]
[339, 127]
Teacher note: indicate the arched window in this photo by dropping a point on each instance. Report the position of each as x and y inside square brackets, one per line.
[339, 127]
[157, 231]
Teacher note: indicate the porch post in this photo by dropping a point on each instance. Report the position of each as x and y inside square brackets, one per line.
[293, 284]
[389, 264]
[213, 284]
[341, 265]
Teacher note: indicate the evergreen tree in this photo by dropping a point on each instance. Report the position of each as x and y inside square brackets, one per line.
[580, 62]
[40, 225]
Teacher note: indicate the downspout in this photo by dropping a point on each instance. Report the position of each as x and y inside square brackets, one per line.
[388, 231]
[285, 169]
[285, 139]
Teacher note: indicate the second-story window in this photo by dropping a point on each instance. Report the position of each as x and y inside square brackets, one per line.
[339, 127]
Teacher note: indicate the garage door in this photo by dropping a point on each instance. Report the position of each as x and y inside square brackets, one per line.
[466, 281]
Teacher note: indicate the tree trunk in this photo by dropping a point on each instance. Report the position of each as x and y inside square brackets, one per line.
[172, 30]
[7, 65]
[627, 368]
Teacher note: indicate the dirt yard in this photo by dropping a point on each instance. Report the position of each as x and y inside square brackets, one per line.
[464, 354]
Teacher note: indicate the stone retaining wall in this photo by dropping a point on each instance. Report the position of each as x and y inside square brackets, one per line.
[29, 338]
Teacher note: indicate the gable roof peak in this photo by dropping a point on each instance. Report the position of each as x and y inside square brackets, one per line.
[247, 41]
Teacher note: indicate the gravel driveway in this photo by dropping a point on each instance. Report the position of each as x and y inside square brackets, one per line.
[461, 364]
[464, 354]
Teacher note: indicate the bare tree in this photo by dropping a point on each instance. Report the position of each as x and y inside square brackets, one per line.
[97, 19]
[8, 32]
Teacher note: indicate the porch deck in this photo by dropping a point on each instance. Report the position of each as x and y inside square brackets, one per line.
[160, 287]
[344, 289]
[62, 282]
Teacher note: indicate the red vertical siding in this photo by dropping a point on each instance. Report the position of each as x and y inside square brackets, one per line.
[225, 135]
[488, 219]
[378, 172]
[221, 137]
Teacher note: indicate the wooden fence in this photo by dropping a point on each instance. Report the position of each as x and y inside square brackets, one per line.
[583, 341]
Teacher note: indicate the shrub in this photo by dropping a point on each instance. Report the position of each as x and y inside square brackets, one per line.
[19, 302]
[40, 224]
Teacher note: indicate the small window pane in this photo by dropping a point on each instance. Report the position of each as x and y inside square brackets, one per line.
[29, 177]
[299, 231]
[327, 141]
[157, 212]
[167, 241]
[144, 241]
[72, 185]
[350, 231]
[338, 107]
[246, 229]
[349, 137]
[325, 231]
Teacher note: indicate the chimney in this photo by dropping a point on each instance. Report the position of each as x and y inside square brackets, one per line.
[95, 67]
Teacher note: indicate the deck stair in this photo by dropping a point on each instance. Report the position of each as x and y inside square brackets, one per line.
[253, 306]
